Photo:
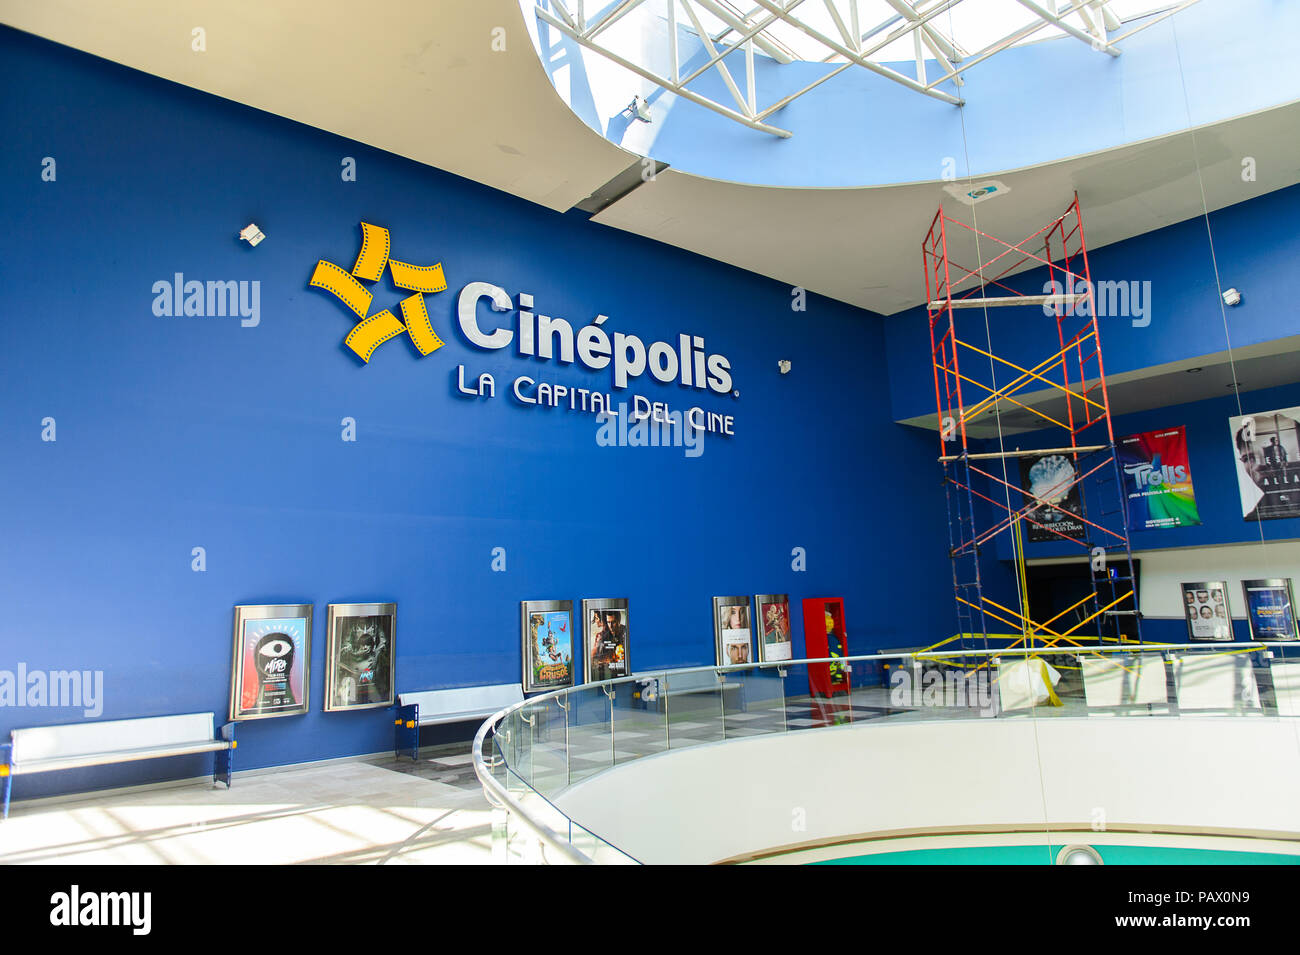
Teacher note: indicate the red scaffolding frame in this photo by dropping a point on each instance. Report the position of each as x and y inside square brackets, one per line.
[1086, 436]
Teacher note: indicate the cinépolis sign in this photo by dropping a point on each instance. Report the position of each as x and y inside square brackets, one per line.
[593, 346]
[533, 335]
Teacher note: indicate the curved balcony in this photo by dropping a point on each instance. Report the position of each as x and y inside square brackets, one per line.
[1187, 753]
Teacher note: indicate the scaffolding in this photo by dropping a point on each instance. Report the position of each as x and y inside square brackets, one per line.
[1065, 393]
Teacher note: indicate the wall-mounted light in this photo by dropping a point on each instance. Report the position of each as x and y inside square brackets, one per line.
[1231, 297]
[639, 109]
[784, 365]
[251, 234]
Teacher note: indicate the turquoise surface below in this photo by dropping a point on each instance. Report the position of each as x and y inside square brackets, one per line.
[1046, 855]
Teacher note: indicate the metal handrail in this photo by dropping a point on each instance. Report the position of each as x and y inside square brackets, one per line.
[499, 797]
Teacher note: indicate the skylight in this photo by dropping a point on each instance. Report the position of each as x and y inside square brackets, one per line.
[924, 45]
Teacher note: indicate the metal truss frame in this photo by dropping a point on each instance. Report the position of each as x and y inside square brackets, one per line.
[850, 45]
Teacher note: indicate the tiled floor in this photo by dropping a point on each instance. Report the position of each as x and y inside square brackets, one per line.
[385, 812]
[390, 810]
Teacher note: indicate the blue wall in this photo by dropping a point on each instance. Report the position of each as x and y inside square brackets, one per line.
[1255, 244]
[174, 433]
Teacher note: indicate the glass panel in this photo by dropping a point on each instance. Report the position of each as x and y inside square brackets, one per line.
[548, 756]
[757, 706]
[591, 744]
[692, 704]
[640, 727]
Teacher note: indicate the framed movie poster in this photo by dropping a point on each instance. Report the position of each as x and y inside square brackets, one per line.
[548, 644]
[604, 629]
[772, 613]
[270, 669]
[731, 630]
[1205, 605]
[1158, 479]
[1270, 608]
[1267, 447]
[360, 656]
[1051, 481]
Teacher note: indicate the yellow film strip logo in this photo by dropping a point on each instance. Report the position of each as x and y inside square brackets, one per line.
[373, 330]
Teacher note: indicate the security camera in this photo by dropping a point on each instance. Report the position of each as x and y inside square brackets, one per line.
[784, 365]
[251, 234]
[1231, 297]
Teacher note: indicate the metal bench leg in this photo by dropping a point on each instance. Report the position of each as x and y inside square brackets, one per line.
[225, 757]
[407, 725]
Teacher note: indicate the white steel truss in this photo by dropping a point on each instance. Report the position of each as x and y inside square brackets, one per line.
[833, 28]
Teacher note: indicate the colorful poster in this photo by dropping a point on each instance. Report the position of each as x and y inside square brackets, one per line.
[548, 644]
[1158, 479]
[1205, 605]
[606, 639]
[735, 641]
[1051, 481]
[1267, 448]
[1270, 609]
[359, 656]
[774, 622]
[272, 653]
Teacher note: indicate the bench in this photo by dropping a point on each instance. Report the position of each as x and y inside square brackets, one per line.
[459, 705]
[45, 749]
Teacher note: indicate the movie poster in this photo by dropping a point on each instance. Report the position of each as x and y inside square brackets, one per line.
[606, 635]
[1052, 480]
[1158, 479]
[773, 613]
[735, 641]
[548, 644]
[1205, 606]
[1267, 448]
[359, 656]
[271, 658]
[1270, 608]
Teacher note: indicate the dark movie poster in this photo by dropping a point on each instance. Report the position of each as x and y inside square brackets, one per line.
[1267, 448]
[606, 639]
[360, 656]
[1051, 481]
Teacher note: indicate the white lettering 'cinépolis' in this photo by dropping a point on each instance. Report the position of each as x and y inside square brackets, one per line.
[546, 337]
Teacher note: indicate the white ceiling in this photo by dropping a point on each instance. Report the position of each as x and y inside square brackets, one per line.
[421, 79]
[863, 246]
[418, 78]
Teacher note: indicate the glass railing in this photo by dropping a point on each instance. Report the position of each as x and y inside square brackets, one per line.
[529, 754]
